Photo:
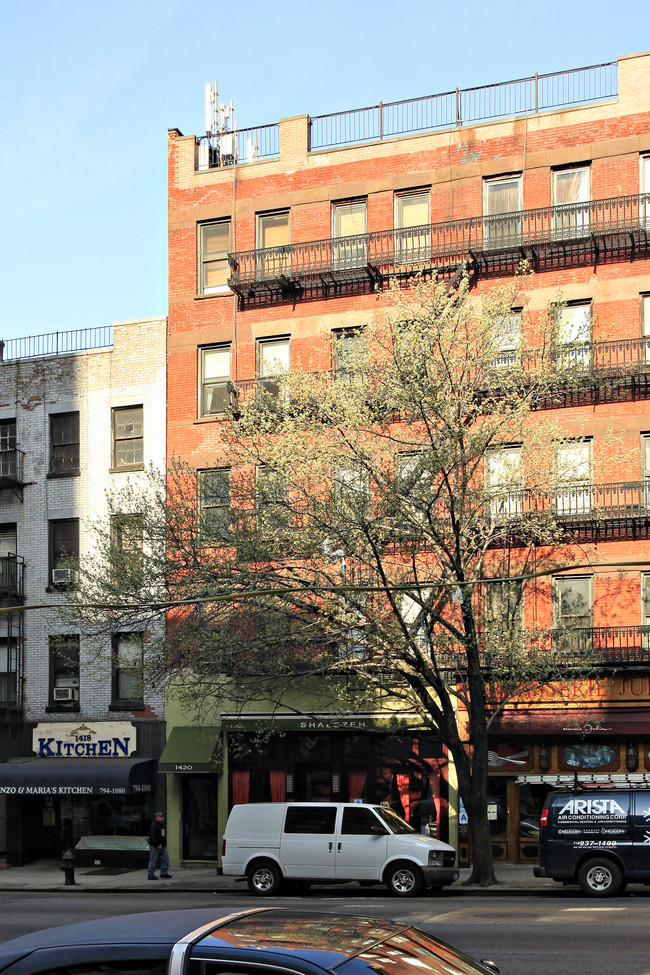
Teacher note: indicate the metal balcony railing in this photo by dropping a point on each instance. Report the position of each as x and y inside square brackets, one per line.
[600, 646]
[11, 467]
[481, 241]
[11, 576]
[574, 501]
[256, 144]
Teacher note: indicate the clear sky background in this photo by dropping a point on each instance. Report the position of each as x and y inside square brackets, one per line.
[88, 91]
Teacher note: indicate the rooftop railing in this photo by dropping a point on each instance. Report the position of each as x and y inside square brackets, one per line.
[525, 96]
[443, 246]
[56, 343]
[241, 146]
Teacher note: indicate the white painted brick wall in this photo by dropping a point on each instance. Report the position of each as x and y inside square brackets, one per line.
[132, 373]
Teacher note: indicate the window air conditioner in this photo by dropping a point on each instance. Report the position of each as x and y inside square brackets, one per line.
[61, 577]
[65, 693]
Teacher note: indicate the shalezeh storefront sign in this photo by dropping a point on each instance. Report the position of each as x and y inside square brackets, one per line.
[81, 739]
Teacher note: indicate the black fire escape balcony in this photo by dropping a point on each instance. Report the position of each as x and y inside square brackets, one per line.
[607, 647]
[548, 238]
[586, 512]
[12, 569]
[11, 471]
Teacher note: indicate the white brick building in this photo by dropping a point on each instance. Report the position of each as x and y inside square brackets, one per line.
[73, 425]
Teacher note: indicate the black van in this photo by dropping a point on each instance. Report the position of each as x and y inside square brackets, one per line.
[598, 838]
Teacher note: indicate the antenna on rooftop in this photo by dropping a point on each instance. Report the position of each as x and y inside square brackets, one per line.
[219, 145]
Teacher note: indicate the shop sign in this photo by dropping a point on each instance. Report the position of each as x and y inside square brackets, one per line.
[73, 739]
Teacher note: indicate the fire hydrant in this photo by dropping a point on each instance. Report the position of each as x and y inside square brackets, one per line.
[67, 865]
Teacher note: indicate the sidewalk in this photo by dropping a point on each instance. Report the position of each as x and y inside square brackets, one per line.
[46, 875]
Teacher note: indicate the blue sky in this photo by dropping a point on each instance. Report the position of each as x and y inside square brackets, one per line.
[87, 93]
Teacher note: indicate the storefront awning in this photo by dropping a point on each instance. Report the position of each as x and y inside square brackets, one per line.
[77, 776]
[557, 721]
[193, 749]
[385, 721]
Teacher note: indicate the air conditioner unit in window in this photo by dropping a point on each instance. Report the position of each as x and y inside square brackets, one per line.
[66, 693]
[67, 682]
[61, 577]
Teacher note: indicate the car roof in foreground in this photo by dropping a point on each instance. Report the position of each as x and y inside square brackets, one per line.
[153, 927]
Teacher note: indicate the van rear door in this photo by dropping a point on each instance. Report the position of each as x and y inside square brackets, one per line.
[361, 844]
[307, 847]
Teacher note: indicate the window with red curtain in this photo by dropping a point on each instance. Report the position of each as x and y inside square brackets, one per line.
[356, 784]
[404, 792]
[278, 778]
[240, 786]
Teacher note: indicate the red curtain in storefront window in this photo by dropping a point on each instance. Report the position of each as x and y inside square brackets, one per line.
[404, 794]
[357, 783]
[278, 779]
[240, 784]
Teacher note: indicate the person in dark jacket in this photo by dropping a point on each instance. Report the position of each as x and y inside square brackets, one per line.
[158, 848]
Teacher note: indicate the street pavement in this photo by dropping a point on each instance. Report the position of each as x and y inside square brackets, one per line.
[47, 875]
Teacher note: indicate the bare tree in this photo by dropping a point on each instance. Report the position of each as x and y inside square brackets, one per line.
[374, 525]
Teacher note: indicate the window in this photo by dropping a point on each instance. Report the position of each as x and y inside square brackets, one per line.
[214, 380]
[273, 241]
[413, 489]
[126, 548]
[10, 571]
[645, 608]
[573, 473]
[412, 234]
[64, 444]
[645, 467]
[573, 337]
[64, 672]
[273, 499]
[571, 202]
[214, 503]
[573, 612]
[415, 617]
[128, 450]
[508, 339]
[502, 206]
[349, 229]
[128, 667]
[645, 325]
[214, 244]
[644, 189]
[504, 483]
[8, 663]
[8, 466]
[310, 819]
[349, 351]
[352, 490]
[358, 821]
[504, 605]
[273, 362]
[64, 548]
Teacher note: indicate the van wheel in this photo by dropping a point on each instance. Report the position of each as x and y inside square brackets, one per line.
[600, 877]
[264, 878]
[403, 879]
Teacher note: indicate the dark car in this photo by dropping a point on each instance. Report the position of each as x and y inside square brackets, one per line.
[255, 942]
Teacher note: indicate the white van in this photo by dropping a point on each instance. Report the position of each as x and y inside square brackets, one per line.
[269, 842]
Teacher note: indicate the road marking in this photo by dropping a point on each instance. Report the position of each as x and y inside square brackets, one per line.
[596, 907]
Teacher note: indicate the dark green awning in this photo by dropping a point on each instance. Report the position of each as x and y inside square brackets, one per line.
[193, 749]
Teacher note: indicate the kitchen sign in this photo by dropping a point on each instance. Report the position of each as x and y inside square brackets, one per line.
[81, 739]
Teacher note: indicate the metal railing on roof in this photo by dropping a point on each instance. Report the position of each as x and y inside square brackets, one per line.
[525, 96]
[56, 343]
[256, 144]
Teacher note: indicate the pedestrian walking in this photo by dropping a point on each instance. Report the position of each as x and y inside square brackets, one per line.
[158, 848]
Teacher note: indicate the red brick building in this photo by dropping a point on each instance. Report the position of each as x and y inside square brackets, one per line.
[281, 234]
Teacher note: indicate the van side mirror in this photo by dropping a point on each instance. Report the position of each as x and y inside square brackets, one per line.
[378, 829]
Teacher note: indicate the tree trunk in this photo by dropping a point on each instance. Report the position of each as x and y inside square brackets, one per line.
[479, 829]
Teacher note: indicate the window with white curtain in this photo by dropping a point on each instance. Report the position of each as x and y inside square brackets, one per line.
[571, 202]
[504, 482]
[644, 190]
[273, 362]
[412, 231]
[502, 217]
[349, 229]
[573, 336]
[273, 241]
[573, 478]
